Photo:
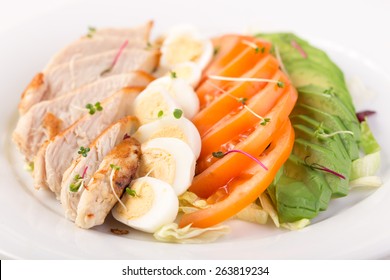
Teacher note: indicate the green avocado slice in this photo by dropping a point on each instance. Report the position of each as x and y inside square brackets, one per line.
[333, 123]
[315, 154]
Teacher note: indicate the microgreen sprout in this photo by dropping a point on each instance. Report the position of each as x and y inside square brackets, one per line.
[298, 47]
[242, 100]
[93, 108]
[220, 154]
[131, 192]
[279, 58]
[320, 132]
[115, 168]
[362, 115]
[29, 167]
[160, 114]
[216, 50]
[252, 45]
[245, 79]
[121, 49]
[83, 151]
[177, 113]
[329, 91]
[149, 46]
[173, 74]
[76, 184]
[323, 168]
[91, 31]
[78, 181]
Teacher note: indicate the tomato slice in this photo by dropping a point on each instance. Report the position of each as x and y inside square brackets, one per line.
[227, 103]
[247, 187]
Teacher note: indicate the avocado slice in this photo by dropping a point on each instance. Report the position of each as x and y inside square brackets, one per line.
[315, 154]
[333, 123]
[283, 41]
[314, 96]
[294, 200]
[314, 180]
[307, 74]
[306, 128]
[305, 186]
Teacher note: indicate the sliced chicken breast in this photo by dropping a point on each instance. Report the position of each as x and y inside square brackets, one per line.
[108, 183]
[82, 168]
[91, 46]
[46, 119]
[135, 33]
[66, 77]
[57, 154]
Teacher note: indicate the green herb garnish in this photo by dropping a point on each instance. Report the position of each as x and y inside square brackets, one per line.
[216, 50]
[91, 31]
[173, 74]
[329, 91]
[280, 84]
[220, 154]
[115, 167]
[160, 114]
[76, 184]
[83, 151]
[93, 108]
[242, 100]
[177, 113]
[131, 192]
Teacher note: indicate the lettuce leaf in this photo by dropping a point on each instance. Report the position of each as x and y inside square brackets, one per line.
[173, 234]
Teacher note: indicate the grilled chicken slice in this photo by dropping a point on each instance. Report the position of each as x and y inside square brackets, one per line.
[46, 119]
[66, 77]
[101, 41]
[57, 154]
[136, 33]
[83, 168]
[108, 183]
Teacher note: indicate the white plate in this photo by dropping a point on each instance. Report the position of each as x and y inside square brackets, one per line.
[32, 225]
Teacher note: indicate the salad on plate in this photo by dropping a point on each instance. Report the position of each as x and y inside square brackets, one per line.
[177, 135]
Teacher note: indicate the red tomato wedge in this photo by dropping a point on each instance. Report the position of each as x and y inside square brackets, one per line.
[246, 188]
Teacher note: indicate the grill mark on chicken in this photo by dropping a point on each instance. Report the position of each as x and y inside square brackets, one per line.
[99, 148]
[52, 125]
[96, 202]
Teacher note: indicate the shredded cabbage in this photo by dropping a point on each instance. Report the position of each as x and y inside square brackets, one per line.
[367, 165]
[368, 142]
[192, 200]
[300, 224]
[266, 203]
[253, 213]
[268, 207]
[173, 234]
[366, 182]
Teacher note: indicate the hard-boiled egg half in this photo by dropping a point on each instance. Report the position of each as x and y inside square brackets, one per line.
[152, 204]
[170, 126]
[151, 102]
[185, 43]
[181, 92]
[189, 71]
[170, 160]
